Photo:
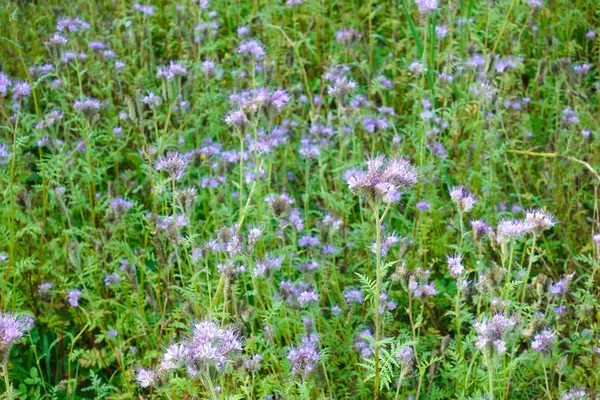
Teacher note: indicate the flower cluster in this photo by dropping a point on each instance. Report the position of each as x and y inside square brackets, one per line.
[383, 180]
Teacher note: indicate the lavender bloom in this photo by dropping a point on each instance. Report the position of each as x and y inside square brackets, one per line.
[596, 237]
[73, 297]
[455, 265]
[146, 10]
[539, 220]
[536, 4]
[211, 347]
[5, 84]
[590, 35]
[96, 45]
[480, 228]
[243, 31]
[569, 116]
[174, 356]
[252, 49]
[145, 377]
[405, 355]
[347, 37]
[562, 286]
[87, 105]
[426, 5]
[267, 265]
[297, 295]
[341, 87]
[576, 393]
[416, 68]
[353, 296]
[171, 226]
[491, 333]
[383, 180]
[4, 154]
[385, 304]
[308, 241]
[174, 70]
[423, 206]
[373, 125]
[441, 31]
[113, 333]
[542, 341]
[56, 40]
[237, 119]
[464, 200]
[12, 329]
[21, 89]
[152, 100]
[305, 356]
[252, 364]
[364, 343]
[112, 279]
[510, 230]
[72, 25]
[118, 207]
[173, 163]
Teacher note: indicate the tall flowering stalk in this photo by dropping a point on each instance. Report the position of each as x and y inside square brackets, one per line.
[381, 183]
[539, 221]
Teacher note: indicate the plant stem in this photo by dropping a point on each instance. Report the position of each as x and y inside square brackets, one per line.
[9, 392]
[377, 289]
[528, 269]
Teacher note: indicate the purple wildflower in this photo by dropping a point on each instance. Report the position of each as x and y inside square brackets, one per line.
[464, 200]
[305, 356]
[173, 163]
[455, 265]
[383, 180]
[542, 341]
[73, 297]
[12, 329]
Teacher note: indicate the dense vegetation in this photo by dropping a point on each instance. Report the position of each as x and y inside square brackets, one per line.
[315, 199]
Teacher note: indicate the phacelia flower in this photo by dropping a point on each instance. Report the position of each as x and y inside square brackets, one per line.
[455, 265]
[542, 341]
[464, 200]
[12, 329]
[173, 163]
[539, 220]
[305, 356]
[383, 179]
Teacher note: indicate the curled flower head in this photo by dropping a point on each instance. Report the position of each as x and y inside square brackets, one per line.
[539, 220]
[455, 265]
[542, 341]
[174, 70]
[464, 200]
[87, 105]
[252, 49]
[480, 229]
[174, 163]
[146, 377]
[305, 356]
[12, 329]
[383, 180]
[510, 229]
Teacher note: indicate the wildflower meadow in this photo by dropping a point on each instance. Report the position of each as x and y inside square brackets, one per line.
[299, 199]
